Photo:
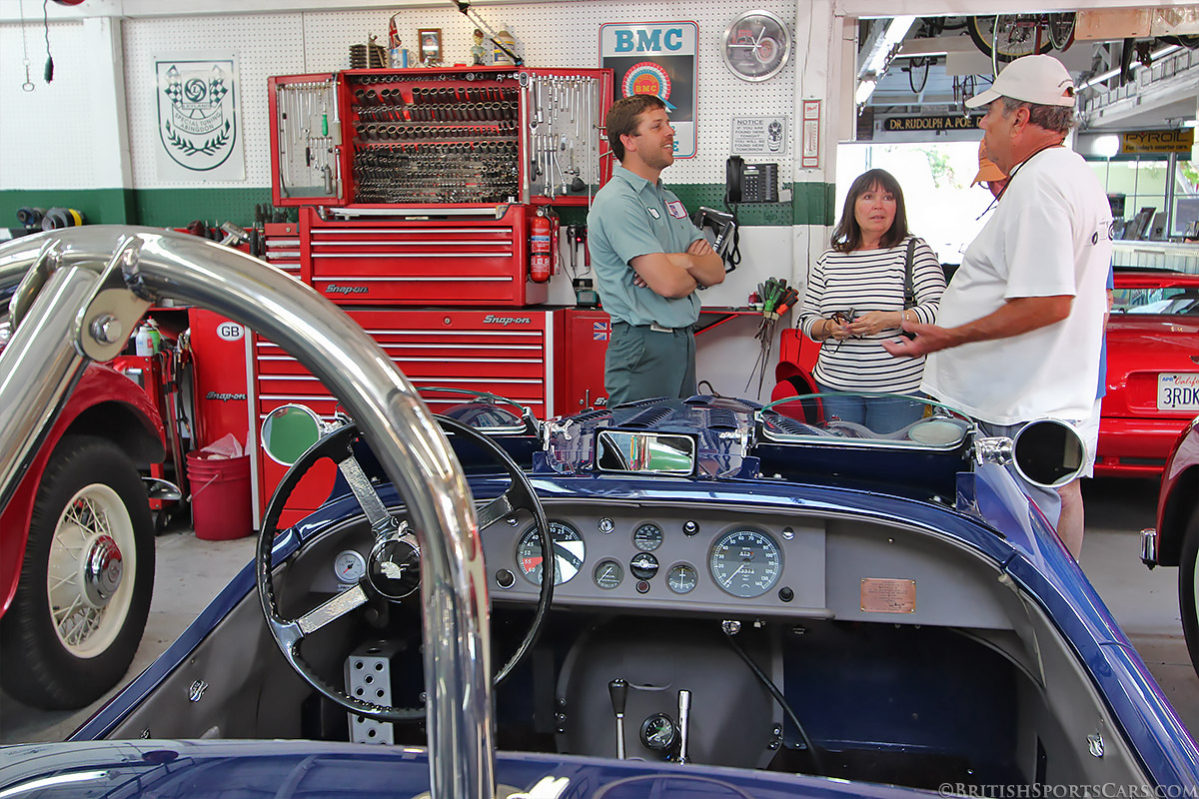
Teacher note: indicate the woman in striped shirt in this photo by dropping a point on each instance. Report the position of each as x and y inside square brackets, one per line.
[855, 300]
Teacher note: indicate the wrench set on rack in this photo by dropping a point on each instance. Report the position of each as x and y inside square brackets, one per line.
[453, 135]
[563, 141]
[309, 133]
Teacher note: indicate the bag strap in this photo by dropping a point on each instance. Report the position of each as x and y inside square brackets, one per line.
[909, 291]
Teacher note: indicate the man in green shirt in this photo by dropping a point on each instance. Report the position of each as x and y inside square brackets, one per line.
[649, 259]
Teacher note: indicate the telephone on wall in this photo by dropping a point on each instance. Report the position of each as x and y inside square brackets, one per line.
[750, 183]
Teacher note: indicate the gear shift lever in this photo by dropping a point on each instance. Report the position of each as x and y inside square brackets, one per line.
[618, 689]
[684, 721]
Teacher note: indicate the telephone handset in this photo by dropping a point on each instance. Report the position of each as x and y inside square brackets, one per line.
[750, 183]
[732, 179]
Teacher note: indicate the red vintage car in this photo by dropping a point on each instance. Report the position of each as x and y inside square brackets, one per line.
[1152, 370]
[1175, 540]
[77, 546]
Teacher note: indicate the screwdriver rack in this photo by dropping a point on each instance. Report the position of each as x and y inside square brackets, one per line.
[461, 136]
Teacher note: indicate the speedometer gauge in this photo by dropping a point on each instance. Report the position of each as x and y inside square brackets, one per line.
[746, 563]
[569, 551]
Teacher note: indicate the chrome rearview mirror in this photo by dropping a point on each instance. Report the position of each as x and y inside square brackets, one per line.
[289, 431]
[660, 453]
[1048, 453]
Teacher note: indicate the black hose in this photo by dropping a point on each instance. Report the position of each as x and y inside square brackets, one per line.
[817, 764]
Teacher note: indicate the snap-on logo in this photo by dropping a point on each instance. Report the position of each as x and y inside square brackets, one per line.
[333, 288]
[492, 319]
[223, 396]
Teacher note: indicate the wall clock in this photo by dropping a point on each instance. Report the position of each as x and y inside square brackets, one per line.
[756, 46]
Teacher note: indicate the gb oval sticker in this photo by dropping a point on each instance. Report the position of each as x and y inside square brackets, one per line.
[230, 331]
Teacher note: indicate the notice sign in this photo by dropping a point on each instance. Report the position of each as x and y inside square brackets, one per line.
[948, 122]
[1158, 141]
[759, 136]
[656, 58]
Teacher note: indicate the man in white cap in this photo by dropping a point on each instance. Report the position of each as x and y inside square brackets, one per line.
[1021, 323]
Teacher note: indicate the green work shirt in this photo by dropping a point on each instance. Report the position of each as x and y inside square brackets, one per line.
[632, 217]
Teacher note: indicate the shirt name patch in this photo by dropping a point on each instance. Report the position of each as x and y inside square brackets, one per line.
[676, 209]
[653, 212]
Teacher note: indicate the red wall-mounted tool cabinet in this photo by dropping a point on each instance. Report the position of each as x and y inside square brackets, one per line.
[456, 136]
[581, 342]
[506, 352]
[420, 256]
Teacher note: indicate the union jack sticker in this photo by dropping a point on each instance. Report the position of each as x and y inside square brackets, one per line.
[600, 331]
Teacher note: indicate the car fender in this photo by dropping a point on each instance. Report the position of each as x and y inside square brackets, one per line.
[105, 403]
[1180, 486]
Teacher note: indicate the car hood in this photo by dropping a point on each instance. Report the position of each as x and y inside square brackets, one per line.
[237, 769]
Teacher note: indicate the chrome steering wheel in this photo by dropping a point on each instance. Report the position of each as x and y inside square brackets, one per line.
[393, 569]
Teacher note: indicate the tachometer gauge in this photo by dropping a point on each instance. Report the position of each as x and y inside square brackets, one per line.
[608, 574]
[682, 578]
[349, 566]
[647, 537]
[569, 551]
[746, 563]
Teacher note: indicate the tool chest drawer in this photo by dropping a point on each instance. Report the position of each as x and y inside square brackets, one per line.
[435, 259]
[505, 352]
[281, 242]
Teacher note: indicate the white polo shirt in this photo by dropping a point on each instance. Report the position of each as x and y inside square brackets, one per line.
[1049, 235]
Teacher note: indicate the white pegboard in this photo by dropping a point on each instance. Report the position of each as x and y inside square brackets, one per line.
[45, 132]
[548, 35]
[567, 35]
[265, 45]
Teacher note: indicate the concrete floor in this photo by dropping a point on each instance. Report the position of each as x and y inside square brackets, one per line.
[1145, 603]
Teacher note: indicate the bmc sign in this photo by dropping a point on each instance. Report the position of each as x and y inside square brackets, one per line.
[647, 40]
[656, 58]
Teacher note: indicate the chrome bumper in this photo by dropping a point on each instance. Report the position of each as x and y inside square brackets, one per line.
[1149, 546]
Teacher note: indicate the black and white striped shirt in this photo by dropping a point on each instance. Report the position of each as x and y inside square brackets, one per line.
[869, 280]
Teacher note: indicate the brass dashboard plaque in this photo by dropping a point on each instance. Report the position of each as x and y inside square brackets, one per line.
[888, 595]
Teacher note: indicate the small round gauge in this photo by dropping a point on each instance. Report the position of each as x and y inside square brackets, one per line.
[608, 574]
[682, 578]
[746, 563]
[647, 537]
[658, 732]
[643, 565]
[349, 566]
[569, 551]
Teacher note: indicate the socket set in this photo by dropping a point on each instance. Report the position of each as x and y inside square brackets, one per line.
[474, 136]
[455, 172]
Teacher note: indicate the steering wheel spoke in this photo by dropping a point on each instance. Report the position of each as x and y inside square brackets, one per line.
[332, 610]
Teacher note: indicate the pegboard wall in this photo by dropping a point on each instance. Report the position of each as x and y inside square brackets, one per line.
[45, 132]
[547, 35]
[265, 45]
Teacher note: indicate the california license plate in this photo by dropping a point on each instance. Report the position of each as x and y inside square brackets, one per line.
[1177, 391]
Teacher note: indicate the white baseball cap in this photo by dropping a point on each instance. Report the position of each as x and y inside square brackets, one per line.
[1038, 79]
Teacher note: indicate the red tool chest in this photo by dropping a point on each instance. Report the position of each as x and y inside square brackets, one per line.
[420, 257]
[505, 352]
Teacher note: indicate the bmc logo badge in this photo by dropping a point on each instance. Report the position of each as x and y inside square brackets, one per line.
[196, 119]
[230, 331]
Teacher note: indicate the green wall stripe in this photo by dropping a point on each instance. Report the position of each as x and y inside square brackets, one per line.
[98, 206]
[811, 204]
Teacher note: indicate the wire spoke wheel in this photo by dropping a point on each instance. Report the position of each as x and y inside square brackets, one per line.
[1060, 29]
[1006, 37]
[94, 527]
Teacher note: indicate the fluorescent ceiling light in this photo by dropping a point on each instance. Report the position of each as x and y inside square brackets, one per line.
[879, 48]
[865, 89]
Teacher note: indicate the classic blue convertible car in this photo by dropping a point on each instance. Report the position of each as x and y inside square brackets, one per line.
[738, 603]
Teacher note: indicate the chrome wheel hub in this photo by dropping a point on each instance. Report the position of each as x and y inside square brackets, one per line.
[102, 570]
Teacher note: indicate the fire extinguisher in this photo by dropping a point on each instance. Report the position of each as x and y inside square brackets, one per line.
[540, 261]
